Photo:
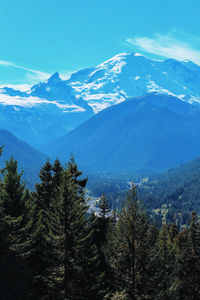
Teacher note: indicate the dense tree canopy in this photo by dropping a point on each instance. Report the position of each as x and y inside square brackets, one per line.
[51, 248]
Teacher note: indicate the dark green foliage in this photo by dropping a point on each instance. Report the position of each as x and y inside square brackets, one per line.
[13, 190]
[163, 266]
[100, 227]
[188, 257]
[42, 258]
[51, 249]
[132, 257]
[44, 190]
[12, 234]
[79, 256]
[179, 188]
[57, 176]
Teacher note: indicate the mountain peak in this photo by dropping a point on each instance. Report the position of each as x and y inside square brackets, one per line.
[54, 78]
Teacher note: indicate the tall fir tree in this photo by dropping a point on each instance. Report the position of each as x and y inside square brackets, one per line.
[79, 256]
[100, 226]
[133, 248]
[43, 253]
[188, 258]
[163, 265]
[13, 240]
[57, 169]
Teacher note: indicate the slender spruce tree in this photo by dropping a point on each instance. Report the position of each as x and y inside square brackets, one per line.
[188, 258]
[12, 223]
[133, 248]
[57, 169]
[79, 256]
[100, 226]
[163, 265]
[43, 255]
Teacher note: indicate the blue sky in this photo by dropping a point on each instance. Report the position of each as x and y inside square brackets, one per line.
[40, 37]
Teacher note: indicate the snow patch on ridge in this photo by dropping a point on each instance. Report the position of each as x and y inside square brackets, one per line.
[113, 65]
[138, 54]
[113, 60]
[153, 87]
[18, 101]
[102, 101]
[194, 99]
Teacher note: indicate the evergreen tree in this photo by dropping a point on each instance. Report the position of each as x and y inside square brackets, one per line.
[100, 226]
[163, 265]
[57, 175]
[188, 258]
[104, 226]
[12, 222]
[44, 190]
[13, 190]
[104, 208]
[43, 253]
[133, 248]
[79, 256]
[111, 256]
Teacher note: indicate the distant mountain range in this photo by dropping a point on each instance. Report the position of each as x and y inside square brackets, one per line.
[53, 108]
[45, 112]
[141, 135]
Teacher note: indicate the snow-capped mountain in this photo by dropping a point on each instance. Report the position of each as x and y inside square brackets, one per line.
[52, 108]
[43, 113]
[131, 75]
[54, 91]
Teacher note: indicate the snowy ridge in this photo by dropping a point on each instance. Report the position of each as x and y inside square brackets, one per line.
[111, 82]
[131, 75]
[42, 113]
[53, 91]
[58, 106]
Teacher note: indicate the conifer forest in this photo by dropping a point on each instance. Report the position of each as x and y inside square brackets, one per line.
[52, 248]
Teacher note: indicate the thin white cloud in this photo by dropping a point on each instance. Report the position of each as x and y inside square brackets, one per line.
[20, 87]
[34, 101]
[6, 63]
[32, 74]
[166, 46]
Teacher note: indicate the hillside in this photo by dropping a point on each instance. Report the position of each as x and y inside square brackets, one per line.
[141, 135]
[29, 159]
[178, 186]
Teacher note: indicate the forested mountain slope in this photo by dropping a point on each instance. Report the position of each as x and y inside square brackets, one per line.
[141, 135]
[179, 187]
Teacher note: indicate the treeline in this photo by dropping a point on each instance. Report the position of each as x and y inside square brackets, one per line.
[50, 248]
